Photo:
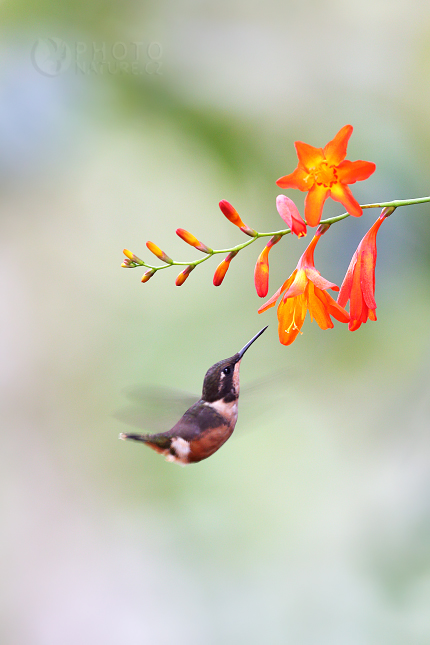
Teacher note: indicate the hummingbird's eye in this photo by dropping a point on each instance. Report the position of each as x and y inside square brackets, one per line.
[226, 370]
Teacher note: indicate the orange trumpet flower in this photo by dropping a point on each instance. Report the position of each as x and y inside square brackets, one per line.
[324, 172]
[261, 271]
[358, 286]
[305, 289]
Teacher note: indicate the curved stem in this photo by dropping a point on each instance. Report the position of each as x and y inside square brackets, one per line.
[331, 220]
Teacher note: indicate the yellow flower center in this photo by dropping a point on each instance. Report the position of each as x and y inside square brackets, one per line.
[325, 175]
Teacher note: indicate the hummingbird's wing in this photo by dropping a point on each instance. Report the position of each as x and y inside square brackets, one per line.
[157, 409]
[153, 408]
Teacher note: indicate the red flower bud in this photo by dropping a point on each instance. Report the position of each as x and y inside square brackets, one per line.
[290, 214]
[261, 273]
[159, 253]
[233, 216]
[222, 269]
[184, 275]
[192, 241]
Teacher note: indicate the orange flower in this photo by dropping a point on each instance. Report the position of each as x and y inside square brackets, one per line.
[305, 289]
[358, 285]
[324, 172]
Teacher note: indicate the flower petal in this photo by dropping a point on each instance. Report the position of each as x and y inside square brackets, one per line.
[309, 157]
[368, 262]
[356, 297]
[341, 193]
[354, 325]
[335, 150]
[351, 171]
[291, 316]
[314, 203]
[319, 281]
[272, 301]
[317, 307]
[299, 178]
[335, 309]
[298, 286]
[345, 288]
[290, 214]
[286, 208]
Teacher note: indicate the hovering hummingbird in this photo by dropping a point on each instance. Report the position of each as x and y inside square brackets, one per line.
[207, 424]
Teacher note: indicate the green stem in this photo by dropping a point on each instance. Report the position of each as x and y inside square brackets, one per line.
[331, 220]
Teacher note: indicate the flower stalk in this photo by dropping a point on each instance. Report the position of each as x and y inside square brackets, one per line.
[134, 261]
[322, 173]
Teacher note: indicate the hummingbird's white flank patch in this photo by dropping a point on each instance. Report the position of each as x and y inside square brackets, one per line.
[181, 448]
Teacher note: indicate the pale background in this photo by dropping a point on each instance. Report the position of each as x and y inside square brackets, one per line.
[312, 525]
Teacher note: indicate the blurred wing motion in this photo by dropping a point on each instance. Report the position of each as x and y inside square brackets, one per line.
[155, 409]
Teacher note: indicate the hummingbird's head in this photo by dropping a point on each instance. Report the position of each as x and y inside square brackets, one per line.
[221, 381]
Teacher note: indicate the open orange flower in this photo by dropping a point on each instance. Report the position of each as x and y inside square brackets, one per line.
[358, 285]
[324, 172]
[305, 289]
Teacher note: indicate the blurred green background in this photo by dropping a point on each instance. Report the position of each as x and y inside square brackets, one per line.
[312, 524]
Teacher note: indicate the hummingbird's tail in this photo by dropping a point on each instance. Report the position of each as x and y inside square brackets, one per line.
[158, 442]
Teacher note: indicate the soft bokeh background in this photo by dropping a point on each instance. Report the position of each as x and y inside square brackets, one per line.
[312, 524]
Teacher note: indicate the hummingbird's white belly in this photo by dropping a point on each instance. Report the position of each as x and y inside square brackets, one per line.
[227, 410]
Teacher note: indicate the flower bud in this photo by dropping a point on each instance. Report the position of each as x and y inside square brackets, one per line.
[261, 273]
[184, 275]
[192, 241]
[290, 214]
[147, 275]
[159, 253]
[222, 269]
[131, 258]
[233, 216]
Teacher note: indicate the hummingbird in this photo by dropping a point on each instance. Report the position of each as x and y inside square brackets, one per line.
[207, 424]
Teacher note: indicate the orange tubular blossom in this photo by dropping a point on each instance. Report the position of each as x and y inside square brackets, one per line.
[261, 271]
[358, 286]
[324, 172]
[305, 289]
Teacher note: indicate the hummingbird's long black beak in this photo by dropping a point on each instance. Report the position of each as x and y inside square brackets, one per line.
[243, 350]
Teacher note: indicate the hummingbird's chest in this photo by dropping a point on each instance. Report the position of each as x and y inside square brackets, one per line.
[210, 440]
[202, 431]
[227, 410]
